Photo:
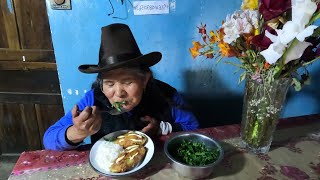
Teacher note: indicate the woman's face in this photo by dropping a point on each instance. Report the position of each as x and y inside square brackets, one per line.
[122, 85]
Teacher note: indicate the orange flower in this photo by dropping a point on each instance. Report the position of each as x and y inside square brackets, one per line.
[266, 65]
[226, 50]
[194, 51]
[213, 37]
[220, 33]
[197, 45]
[248, 38]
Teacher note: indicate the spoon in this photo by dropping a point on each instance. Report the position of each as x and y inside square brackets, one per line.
[112, 111]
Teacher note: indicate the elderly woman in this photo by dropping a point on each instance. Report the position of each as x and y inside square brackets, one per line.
[124, 78]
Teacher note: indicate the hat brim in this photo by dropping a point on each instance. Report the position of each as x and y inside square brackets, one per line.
[146, 60]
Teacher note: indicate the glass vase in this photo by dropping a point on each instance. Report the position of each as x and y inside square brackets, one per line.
[262, 106]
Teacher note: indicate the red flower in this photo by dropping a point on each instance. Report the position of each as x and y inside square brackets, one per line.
[210, 55]
[273, 8]
[202, 29]
[313, 51]
[263, 41]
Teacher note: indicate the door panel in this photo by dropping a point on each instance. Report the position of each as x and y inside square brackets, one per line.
[8, 24]
[33, 24]
[30, 98]
[18, 128]
[42, 111]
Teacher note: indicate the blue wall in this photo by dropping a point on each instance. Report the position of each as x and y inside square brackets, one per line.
[212, 90]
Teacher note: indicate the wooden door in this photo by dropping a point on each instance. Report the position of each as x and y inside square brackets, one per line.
[30, 98]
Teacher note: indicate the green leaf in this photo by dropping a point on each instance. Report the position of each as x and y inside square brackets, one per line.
[242, 77]
[297, 84]
[219, 59]
[236, 71]
[277, 71]
[235, 64]
[314, 17]
[316, 32]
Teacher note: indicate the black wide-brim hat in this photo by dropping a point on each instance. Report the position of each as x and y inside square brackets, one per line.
[118, 49]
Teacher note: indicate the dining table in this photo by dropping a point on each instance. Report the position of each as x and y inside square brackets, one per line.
[294, 154]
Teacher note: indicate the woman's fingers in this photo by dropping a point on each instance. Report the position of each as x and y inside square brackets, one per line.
[146, 118]
[74, 111]
[152, 127]
[146, 129]
[88, 121]
[93, 122]
[95, 110]
[86, 113]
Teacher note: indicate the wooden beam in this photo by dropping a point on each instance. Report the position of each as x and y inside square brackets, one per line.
[29, 82]
[33, 55]
[27, 66]
[27, 98]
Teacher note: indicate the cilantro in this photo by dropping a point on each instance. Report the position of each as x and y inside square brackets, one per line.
[118, 105]
[196, 153]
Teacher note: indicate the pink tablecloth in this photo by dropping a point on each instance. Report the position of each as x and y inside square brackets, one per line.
[295, 154]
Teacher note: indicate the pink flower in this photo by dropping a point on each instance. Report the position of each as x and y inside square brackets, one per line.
[256, 77]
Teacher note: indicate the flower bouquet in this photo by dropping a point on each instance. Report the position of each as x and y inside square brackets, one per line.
[274, 41]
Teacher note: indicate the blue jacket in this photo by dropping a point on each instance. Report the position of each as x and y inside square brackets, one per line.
[153, 104]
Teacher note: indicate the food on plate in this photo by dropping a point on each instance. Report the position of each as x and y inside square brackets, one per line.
[128, 159]
[131, 138]
[107, 152]
[121, 153]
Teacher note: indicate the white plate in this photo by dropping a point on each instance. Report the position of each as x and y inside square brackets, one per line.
[106, 172]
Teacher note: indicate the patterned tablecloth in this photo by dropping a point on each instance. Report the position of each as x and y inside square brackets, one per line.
[294, 154]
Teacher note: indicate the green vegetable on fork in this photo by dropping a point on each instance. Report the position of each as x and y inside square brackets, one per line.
[118, 105]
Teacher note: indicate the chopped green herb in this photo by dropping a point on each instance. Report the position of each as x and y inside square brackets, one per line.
[118, 105]
[196, 153]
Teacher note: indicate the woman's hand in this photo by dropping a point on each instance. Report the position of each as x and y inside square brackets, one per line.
[86, 123]
[152, 129]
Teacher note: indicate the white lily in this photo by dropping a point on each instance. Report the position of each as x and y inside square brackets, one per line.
[297, 51]
[306, 33]
[302, 11]
[274, 52]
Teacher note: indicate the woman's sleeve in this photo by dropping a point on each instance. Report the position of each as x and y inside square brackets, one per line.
[184, 119]
[55, 136]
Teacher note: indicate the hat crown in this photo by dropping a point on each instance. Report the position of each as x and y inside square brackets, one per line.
[117, 44]
[118, 48]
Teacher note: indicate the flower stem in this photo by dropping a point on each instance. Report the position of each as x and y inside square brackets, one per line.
[282, 60]
[310, 62]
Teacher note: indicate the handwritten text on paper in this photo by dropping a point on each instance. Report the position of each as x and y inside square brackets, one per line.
[151, 7]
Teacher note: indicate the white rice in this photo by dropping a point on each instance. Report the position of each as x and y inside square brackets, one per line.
[107, 153]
